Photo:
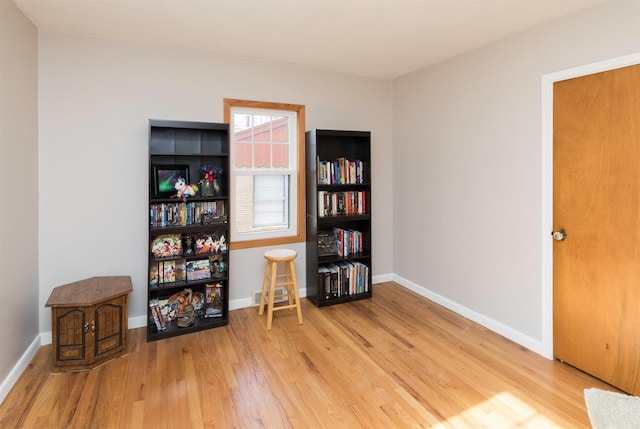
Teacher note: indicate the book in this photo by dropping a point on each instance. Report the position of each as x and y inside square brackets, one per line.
[218, 265]
[324, 282]
[213, 300]
[327, 244]
[197, 300]
[199, 269]
[180, 270]
[154, 276]
[168, 272]
[157, 316]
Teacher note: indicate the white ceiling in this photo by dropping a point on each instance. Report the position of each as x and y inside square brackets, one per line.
[376, 38]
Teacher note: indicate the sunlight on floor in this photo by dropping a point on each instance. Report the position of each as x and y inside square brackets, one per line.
[503, 410]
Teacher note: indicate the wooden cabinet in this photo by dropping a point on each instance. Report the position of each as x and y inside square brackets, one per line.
[89, 322]
[338, 213]
[188, 283]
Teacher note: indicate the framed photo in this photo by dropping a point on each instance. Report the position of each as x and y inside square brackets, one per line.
[164, 177]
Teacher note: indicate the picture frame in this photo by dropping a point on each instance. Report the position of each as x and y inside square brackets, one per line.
[164, 176]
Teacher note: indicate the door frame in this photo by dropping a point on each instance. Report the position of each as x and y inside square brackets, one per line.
[547, 184]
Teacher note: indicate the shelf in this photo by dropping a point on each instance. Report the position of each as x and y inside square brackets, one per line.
[176, 200]
[342, 187]
[181, 149]
[186, 154]
[194, 227]
[173, 330]
[330, 220]
[343, 299]
[186, 257]
[172, 287]
[330, 259]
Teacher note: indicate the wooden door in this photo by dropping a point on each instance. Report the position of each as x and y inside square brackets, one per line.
[596, 268]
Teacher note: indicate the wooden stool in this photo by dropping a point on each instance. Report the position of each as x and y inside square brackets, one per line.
[272, 280]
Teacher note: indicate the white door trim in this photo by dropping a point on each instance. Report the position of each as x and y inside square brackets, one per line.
[547, 183]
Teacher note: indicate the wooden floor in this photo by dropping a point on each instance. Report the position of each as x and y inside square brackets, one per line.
[394, 361]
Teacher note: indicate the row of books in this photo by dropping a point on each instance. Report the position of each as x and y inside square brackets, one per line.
[182, 214]
[341, 203]
[343, 279]
[167, 273]
[341, 171]
[340, 242]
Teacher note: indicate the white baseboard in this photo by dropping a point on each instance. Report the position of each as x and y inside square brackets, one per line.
[497, 327]
[137, 322]
[382, 278]
[18, 368]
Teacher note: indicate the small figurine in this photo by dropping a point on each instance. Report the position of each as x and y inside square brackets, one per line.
[183, 189]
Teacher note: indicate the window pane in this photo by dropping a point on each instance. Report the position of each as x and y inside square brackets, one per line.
[261, 203]
[280, 129]
[243, 213]
[242, 127]
[262, 133]
[271, 199]
[262, 155]
[242, 158]
[280, 156]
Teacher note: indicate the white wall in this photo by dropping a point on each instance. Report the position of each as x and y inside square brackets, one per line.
[95, 100]
[19, 202]
[467, 142]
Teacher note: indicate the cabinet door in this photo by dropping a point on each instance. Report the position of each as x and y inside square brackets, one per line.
[108, 328]
[69, 336]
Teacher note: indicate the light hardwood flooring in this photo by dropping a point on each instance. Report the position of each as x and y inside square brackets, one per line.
[394, 361]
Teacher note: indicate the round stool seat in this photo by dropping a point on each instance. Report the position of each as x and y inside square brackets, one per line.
[280, 255]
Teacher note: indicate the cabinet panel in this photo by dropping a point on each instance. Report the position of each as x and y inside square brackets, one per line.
[109, 333]
[69, 329]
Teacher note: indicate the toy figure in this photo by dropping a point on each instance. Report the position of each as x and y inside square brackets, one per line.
[183, 189]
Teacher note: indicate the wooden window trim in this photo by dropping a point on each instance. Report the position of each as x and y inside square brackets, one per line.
[301, 206]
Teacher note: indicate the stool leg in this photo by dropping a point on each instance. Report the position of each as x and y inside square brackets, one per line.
[295, 291]
[289, 282]
[272, 291]
[265, 285]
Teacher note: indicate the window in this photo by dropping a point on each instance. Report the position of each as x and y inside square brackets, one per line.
[267, 172]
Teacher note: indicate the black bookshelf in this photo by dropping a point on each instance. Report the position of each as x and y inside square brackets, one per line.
[188, 247]
[338, 216]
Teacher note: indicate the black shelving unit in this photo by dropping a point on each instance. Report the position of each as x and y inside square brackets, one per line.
[338, 216]
[196, 269]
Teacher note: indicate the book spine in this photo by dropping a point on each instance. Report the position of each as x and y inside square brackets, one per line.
[157, 317]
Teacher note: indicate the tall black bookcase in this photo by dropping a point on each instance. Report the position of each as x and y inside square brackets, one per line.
[338, 191]
[188, 228]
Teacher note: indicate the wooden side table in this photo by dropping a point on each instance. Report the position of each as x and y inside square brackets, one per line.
[89, 322]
